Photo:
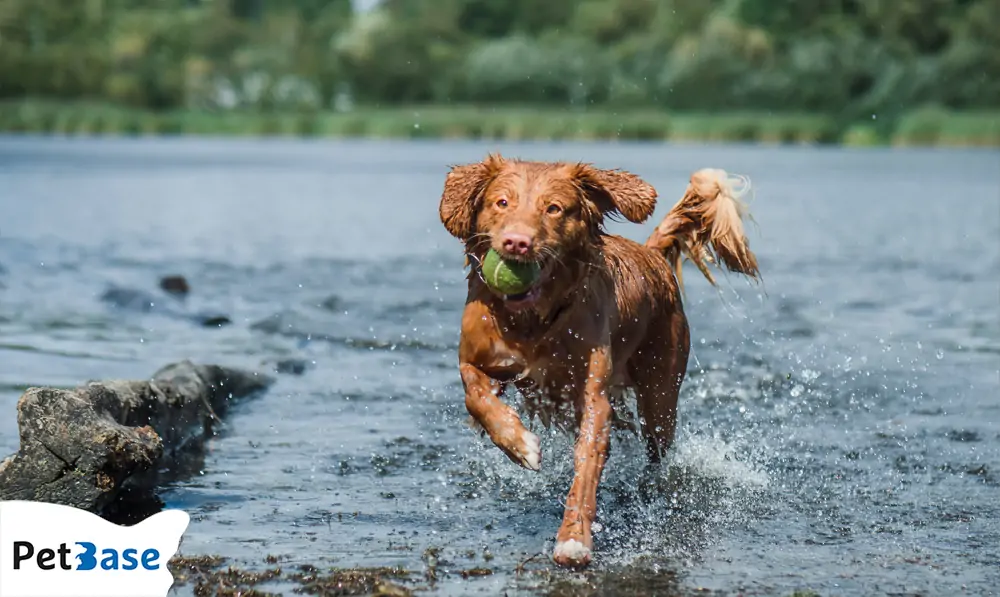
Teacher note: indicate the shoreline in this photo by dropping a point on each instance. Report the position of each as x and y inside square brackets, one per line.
[921, 128]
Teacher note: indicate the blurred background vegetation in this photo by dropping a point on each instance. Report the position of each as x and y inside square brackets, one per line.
[853, 71]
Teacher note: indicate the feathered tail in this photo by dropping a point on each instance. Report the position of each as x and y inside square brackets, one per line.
[706, 226]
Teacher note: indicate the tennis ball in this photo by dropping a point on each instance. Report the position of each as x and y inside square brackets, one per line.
[508, 276]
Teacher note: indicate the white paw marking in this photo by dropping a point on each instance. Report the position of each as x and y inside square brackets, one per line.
[572, 550]
[532, 457]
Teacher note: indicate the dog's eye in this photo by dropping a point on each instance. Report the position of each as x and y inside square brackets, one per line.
[553, 209]
[502, 203]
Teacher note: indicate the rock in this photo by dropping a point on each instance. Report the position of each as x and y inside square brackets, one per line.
[213, 321]
[73, 451]
[290, 366]
[131, 299]
[79, 447]
[175, 285]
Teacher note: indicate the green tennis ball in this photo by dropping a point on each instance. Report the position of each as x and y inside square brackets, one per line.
[508, 276]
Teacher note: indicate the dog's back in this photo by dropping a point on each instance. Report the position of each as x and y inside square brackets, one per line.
[643, 277]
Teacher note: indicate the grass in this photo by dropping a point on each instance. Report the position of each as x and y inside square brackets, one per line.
[935, 126]
[927, 126]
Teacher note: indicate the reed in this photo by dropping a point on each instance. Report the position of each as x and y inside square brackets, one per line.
[927, 126]
[938, 127]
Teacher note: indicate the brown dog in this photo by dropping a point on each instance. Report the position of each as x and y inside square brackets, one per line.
[605, 315]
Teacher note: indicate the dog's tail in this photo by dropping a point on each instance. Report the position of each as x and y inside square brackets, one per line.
[706, 226]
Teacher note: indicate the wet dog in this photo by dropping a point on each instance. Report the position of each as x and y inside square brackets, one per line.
[604, 316]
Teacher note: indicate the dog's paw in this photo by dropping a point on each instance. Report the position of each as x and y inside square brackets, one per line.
[571, 554]
[526, 450]
[531, 452]
[520, 445]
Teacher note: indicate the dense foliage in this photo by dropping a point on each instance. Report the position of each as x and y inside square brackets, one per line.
[847, 58]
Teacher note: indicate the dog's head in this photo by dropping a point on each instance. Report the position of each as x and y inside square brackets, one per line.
[548, 212]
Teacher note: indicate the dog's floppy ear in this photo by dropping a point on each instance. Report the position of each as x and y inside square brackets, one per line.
[617, 192]
[462, 196]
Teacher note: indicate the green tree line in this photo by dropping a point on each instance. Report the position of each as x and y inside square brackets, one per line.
[850, 58]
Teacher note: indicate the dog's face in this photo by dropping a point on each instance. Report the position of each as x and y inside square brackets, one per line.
[534, 212]
[538, 211]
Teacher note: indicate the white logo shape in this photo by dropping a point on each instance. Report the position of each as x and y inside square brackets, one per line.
[49, 550]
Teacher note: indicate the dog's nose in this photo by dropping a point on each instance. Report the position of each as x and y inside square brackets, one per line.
[516, 244]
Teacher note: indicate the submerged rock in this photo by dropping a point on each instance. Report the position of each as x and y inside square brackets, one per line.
[175, 285]
[131, 299]
[79, 447]
[213, 575]
[213, 321]
[290, 366]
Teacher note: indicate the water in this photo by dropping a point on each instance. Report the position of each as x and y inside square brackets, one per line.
[840, 427]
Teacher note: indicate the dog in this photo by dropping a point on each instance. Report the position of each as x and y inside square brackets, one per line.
[605, 315]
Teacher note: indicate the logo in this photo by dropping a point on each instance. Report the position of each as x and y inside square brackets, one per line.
[48, 550]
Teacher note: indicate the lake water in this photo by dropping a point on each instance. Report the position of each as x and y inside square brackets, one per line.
[839, 428]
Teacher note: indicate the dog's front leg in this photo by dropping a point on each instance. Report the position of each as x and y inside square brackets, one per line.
[573, 541]
[498, 419]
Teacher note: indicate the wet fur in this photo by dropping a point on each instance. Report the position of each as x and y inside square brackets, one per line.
[608, 320]
[706, 226]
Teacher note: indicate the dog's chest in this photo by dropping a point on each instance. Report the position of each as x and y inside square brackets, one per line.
[545, 363]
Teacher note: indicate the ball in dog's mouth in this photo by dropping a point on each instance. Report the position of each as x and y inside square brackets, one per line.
[513, 279]
[523, 299]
